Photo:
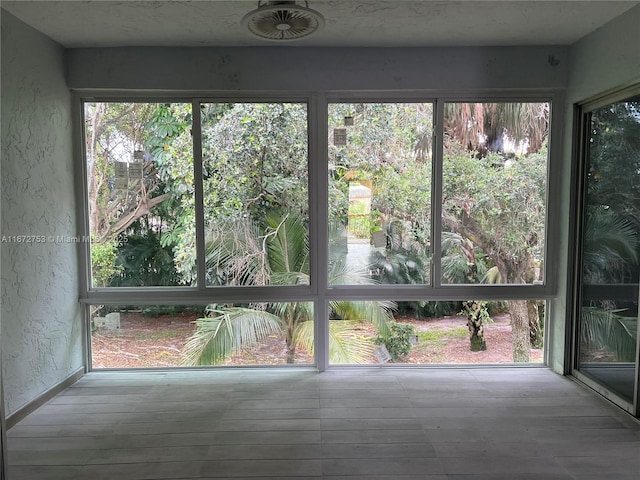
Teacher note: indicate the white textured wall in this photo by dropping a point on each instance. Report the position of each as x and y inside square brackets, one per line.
[41, 322]
[607, 59]
[313, 69]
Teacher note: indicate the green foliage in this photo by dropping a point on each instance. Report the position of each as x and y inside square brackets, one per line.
[277, 252]
[404, 261]
[171, 310]
[143, 261]
[255, 159]
[437, 309]
[404, 195]
[611, 247]
[104, 263]
[227, 330]
[500, 206]
[614, 159]
[611, 233]
[476, 311]
[398, 341]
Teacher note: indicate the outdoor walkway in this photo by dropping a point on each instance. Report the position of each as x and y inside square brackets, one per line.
[356, 424]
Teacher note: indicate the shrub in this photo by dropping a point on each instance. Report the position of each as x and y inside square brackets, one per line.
[398, 342]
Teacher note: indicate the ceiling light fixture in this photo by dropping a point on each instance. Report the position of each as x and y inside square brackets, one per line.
[280, 21]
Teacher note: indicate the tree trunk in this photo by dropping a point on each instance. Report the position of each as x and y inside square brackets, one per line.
[477, 341]
[475, 323]
[520, 331]
[291, 354]
[535, 329]
[291, 345]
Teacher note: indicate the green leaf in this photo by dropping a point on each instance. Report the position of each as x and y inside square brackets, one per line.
[231, 330]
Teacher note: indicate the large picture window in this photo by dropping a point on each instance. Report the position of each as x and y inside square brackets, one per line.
[313, 231]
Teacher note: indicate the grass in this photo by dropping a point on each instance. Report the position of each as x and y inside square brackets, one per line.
[438, 335]
[434, 341]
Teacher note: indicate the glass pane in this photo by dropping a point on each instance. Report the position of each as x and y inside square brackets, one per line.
[611, 248]
[175, 335]
[255, 178]
[494, 193]
[380, 157]
[437, 332]
[140, 192]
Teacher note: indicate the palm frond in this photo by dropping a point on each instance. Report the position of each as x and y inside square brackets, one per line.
[235, 255]
[340, 273]
[455, 268]
[611, 244]
[609, 330]
[230, 330]
[492, 276]
[289, 278]
[287, 243]
[304, 336]
[347, 345]
[378, 313]
[292, 312]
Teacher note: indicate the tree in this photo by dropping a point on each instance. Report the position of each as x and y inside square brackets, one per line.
[140, 167]
[614, 159]
[500, 207]
[496, 199]
[494, 192]
[477, 317]
[277, 253]
[484, 127]
[115, 132]
[255, 159]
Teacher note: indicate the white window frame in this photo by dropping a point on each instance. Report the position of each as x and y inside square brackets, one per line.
[318, 291]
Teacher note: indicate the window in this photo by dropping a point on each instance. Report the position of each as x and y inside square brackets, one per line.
[140, 189]
[315, 224]
[380, 169]
[256, 200]
[494, 200]
[609, 246]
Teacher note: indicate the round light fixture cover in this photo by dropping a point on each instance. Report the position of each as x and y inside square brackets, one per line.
[280, 21]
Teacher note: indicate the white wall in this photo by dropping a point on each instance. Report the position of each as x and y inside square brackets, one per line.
[316, 69]
[607, 59]
[41, 322]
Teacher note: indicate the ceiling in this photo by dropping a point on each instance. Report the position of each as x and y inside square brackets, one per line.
[349, 23]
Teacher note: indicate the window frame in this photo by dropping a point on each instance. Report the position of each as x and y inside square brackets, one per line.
[318, 291]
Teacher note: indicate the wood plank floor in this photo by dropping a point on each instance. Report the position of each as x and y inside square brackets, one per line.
[373, 424]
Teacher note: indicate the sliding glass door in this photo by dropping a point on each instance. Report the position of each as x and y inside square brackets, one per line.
[609, 272]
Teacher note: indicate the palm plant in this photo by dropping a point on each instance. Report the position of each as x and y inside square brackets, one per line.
[610, 250]
[483, 126]
[610, 330]
[277, 253]
[610, 247]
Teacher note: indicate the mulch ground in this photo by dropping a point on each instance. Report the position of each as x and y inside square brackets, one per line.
[146, 341]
